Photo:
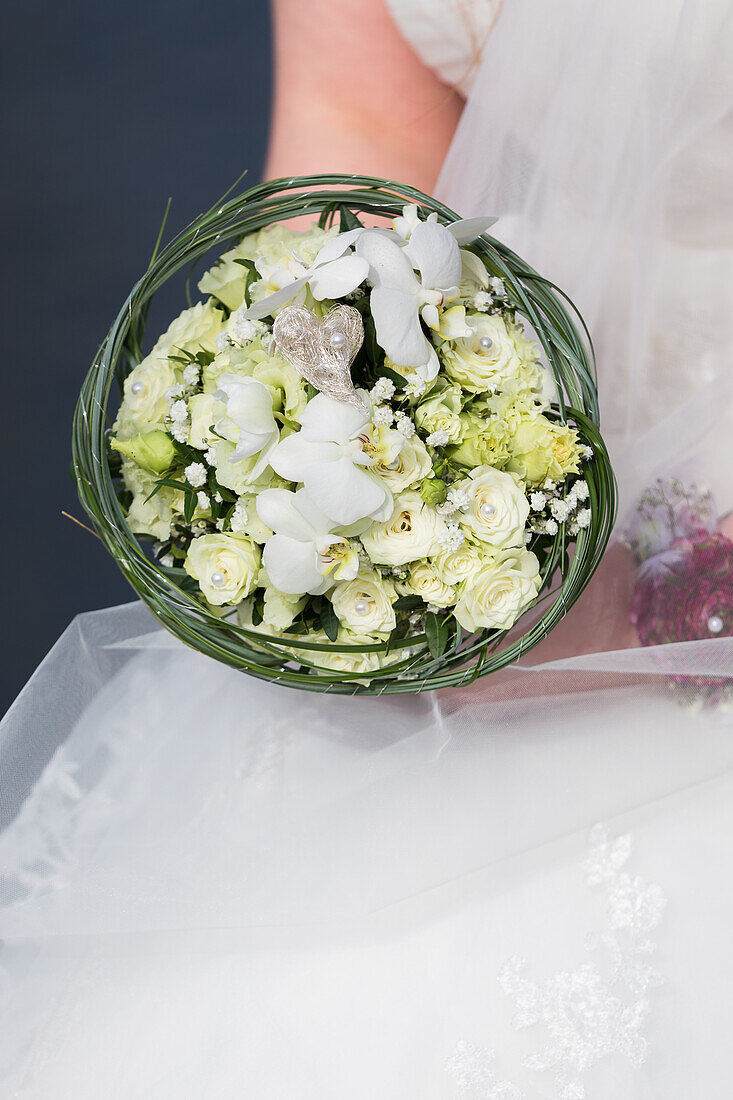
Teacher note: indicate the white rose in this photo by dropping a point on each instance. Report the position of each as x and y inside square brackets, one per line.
[144, 401]
[441, 413]
[410, 533]
[224, 565]
[193, 329]
[496, 596]
[457, 566]
[154, 516]
[364, 604]
[497, 507]
[424, 580]
[409, 468]
[477, 366]
[358, 664]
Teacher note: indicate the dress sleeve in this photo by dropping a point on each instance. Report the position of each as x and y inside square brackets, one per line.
[449, 35]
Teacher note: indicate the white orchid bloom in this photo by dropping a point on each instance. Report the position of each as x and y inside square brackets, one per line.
[334, 273]
[307, 552]
[416, 282]
[331, 456]
[249, 420]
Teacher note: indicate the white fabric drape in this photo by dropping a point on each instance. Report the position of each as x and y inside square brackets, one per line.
[215, 887]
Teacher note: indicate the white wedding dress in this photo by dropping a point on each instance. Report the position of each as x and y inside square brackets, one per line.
[213, 887]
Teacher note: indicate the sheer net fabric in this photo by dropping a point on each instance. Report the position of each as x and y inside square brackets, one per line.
[213, 886]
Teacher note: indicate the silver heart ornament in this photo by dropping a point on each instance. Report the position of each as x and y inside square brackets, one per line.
[322, 350]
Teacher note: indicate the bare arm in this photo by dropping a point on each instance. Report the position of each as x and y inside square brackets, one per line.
[352, 96]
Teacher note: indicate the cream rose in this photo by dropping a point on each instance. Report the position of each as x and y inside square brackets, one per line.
[503, 587]
[487, 359]
[410, 533]
[425, 581]
[193, 329]
[441, 413]
[225, 566]
[542, 449]
[457, 566]
[364, 604]
[227, 278]
[408, 469]
[497, 507]
[359, 665]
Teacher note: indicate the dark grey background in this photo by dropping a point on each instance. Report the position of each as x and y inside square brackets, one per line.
[108, 109]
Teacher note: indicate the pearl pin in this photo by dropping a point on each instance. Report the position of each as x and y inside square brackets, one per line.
[715, 624]
[361, 607]
[338, 340]
[486, 342]
[487, 510]
[217, 579]
[137, 387]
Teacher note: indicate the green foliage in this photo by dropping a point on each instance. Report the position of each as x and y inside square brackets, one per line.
[440, 656]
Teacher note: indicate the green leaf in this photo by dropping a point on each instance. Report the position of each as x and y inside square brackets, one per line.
[189, 505]
[408, 603]
[171, 483]
[258, 608]
[436, 632]
[349, 219]
[329, 620]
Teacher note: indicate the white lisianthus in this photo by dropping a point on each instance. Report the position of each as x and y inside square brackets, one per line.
[488, 359]
[280, 608]
[364, 604]
[240, 477]
[408, 469]
[225, 567]
[424, 580]
[287, 387]
[497, 507]
[410, 533]
[245, 520]
[503, 587]
[249, 421]
[457, 566]
[204, 410]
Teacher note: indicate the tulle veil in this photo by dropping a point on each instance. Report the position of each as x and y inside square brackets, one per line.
[149, 792]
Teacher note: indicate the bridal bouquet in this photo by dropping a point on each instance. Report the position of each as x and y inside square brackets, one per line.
[350, 463]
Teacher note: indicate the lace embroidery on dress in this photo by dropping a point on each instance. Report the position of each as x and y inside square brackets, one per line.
[589, 1013]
